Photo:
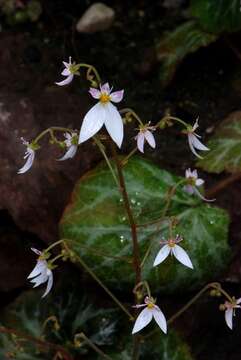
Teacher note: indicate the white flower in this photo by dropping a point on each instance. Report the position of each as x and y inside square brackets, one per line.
[29, 155]
[193, 141]
[230, 311]
[145, 133]
[69, 71]
[193, 182]
[71, 145]
[41, 273]
[144, 318]
[103, 113]
[171, 247]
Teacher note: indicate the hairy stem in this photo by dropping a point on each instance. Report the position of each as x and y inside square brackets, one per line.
[92, 345]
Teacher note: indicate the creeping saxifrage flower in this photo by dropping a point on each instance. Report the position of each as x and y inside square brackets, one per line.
[29, 156]
[145, 134]
[151, 311]
[41, 273]
[193, 141]
[103, 113]
[170, 247]
[71, 143]
[70, 70]
[229, 307]
[192, 183]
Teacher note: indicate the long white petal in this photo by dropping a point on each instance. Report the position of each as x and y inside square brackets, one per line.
[198, 145]
[70, 153]
[162, 255]
[150, 138]
[142, 320]
[28, 164]
[40, 279]
[114, 124]
[37, 269]
[93, 121]
[65, 81]
[190, 142]
[160, 319]
[140, 141]
[201, 196]
[50, 283]
[229, 318]
[66, 72]
[181, 255]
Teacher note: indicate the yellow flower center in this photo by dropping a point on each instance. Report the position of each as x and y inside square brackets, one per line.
[104, 98]
[150, 306]
[171, 243]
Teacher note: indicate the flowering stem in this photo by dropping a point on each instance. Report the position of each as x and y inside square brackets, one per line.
[95, 277]
[56, 258]
[51, 131]
[122, 187]
[91, 68]
[125, 160]
[38, 342]
[102, 150]
[129, 111]
[169, 117]
[222, 185]
[145, 284]
[53, 245]
[91, 344]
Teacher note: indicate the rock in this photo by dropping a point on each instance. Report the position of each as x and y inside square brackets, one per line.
[98, 17]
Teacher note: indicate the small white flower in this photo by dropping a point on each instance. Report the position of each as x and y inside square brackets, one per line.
[230, 311]
[145, 133]
[151, 311]
[193, 141]
[71, 143]
[29, 155]
[192, 183]
[103, 113]
[69, 71]
[41, 273]
[171, 248]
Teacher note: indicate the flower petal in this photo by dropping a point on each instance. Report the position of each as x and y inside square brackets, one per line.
[181, 255]
[198, 145]
[238, 301]
[150, 138]
[162, 255]
[117, 96]
[143, 319]
[65, 81]
[229, 318]
[189, 189]
[190, 142]
[28, 164]
[105, 88]
[95, 93]
[66, 72]
[93, 121]
[40, 279]
[160, 319]
[49, 284]
[39, 267]
[199, 182]
[114, 124]
[140, 141]
[36, 251]
[70, 153]
[201, 196]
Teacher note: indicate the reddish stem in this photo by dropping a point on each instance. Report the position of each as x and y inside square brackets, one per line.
[222, 185]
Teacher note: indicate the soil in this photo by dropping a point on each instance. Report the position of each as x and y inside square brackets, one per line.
[207, 84]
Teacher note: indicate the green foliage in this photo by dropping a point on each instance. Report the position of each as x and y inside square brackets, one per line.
[73, 313]
[176, 45]
[225, 147]
[217, 16]
[30, 11]
[96, 222]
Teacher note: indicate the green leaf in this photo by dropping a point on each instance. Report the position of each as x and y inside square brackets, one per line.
[225, 147]
[96, 222]
[217, 16]
[175, 46]
[165, 347]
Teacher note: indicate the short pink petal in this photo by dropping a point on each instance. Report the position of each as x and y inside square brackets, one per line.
[117, 96]
[95, 93]
[105, 88]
